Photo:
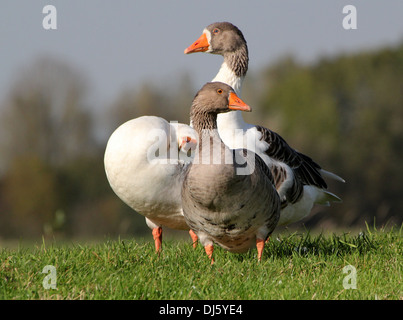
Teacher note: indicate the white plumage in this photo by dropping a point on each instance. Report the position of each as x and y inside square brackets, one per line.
[144, 168]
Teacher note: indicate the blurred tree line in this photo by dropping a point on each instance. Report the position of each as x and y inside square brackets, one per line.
[345, 112]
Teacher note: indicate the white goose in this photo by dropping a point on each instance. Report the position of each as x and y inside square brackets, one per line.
[299, 180]
[228, 196]
[145, 171]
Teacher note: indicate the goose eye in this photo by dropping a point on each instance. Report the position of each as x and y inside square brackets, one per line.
[219, 91]
[216, 30]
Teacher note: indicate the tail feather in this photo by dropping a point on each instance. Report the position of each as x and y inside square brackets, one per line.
[331, 175]
[327, 197]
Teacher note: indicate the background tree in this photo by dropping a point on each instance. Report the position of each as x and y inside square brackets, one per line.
[52, 161]
[347, 113]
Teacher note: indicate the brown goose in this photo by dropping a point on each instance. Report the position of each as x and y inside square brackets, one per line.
[299, 180]
[228, 196]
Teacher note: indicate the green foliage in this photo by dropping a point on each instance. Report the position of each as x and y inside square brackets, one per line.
[29, 195]
[347, 114]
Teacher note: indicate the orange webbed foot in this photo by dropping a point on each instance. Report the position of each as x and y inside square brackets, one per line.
[194, 237]
[209, 250]
[260, 247]
[157, 235]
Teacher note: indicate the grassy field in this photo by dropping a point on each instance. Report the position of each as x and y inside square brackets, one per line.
[294, 266]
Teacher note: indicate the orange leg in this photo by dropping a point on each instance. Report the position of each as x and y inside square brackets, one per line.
[209, 250]
[157, 234]
[260, 247]
[194, 238]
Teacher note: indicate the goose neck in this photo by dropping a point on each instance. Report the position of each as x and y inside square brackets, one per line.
[238, 61]
[203, 122]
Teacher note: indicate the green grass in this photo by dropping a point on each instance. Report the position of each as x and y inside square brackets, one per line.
[294, 266]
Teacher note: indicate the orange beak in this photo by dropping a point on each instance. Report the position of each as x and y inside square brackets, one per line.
[235, 103]
[200, 45]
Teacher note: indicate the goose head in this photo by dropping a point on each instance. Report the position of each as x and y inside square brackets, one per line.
[225, 39]
[218, 38]
[214, 98]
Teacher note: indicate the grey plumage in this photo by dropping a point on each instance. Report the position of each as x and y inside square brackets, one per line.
[222, 206]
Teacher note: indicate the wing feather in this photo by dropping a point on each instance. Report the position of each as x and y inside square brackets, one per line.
[304, 168]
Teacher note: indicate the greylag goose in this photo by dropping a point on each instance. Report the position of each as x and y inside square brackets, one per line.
[228, 196]
[298, 179]
[145, 169]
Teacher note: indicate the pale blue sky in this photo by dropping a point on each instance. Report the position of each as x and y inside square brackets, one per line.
[118, 44]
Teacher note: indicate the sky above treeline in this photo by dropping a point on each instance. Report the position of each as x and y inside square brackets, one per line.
[120, 44]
